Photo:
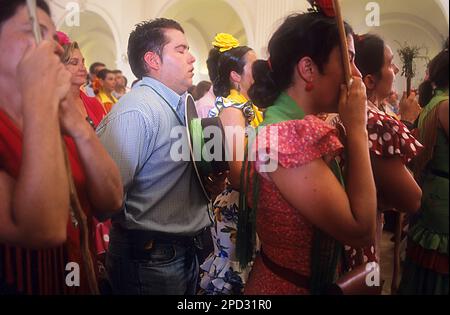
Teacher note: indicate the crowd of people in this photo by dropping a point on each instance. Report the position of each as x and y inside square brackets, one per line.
[88, 175]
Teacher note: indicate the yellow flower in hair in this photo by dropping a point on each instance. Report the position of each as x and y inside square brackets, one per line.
[225, 42]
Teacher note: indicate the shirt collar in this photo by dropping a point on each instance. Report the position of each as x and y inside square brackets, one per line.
[175, 101]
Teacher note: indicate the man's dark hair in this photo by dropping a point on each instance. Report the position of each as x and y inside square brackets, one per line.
[8, 8]
[94, 66]
[148, 36]
[102, 74]
[117, 71]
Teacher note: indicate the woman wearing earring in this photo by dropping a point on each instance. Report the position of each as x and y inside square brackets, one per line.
[426, 266]
[93, 111]
[73, 60]
[391, 144]
[37, 116]
[297, 204]
[230, 67]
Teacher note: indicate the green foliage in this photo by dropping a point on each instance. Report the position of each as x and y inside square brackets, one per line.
[408, 54]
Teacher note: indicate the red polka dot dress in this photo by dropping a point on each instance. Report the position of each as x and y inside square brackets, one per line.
[388, 137]
[286, 236]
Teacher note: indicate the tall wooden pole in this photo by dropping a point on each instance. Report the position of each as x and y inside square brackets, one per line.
[344, 45]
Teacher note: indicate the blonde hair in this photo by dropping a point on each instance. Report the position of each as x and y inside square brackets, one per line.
[68, 51]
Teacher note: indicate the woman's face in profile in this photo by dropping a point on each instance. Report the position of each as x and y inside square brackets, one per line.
[327, 85]
[247, 75]
[76, 66]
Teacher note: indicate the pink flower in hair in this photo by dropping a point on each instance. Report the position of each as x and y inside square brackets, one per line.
[63, 39]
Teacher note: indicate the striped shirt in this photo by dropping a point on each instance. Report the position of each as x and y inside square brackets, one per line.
[161, 195]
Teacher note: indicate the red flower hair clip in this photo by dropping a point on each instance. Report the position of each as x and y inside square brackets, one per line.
[269, 63]
[323, 6]
[63, 39]
[358, 38]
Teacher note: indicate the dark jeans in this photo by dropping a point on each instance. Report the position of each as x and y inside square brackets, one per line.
[165, 269]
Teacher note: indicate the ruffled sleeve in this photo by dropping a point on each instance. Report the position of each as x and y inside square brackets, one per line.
[389, 137]
[294, 143]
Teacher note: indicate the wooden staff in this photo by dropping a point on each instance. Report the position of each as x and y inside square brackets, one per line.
[344, 46]
[400, 218]
[75, 207]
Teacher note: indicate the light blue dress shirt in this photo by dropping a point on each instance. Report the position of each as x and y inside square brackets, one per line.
[161, 195]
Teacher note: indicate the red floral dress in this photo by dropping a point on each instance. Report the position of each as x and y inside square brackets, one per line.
[286, 236]
[388, 137]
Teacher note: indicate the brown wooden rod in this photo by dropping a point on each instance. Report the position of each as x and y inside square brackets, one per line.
[80, 217]
[344, 46]
[75, 206]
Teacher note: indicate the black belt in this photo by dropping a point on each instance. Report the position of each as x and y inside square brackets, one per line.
[146, 239]
[286, 274]
[143, 243]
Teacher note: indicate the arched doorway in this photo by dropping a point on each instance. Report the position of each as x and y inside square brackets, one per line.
[414, 22]
[202, 20]
[95, 38]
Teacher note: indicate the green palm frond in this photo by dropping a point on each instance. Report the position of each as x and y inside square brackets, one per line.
[408, 54]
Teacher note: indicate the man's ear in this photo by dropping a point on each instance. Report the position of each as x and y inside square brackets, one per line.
[305, 69]
[152, 61]
[370, 82]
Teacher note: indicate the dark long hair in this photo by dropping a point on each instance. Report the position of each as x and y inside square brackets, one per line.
[221, 64]
[301, 35]
[437, 77]
[369, 58]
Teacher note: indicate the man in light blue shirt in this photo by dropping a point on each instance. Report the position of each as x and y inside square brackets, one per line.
[152, 245]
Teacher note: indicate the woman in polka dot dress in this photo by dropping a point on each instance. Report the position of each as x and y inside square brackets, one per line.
[391, 144]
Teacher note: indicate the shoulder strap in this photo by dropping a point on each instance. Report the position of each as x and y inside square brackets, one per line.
[168, 104]
[325, 252]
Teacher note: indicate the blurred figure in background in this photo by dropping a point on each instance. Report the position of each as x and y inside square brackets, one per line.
[201, 89]
[121, 84]
[107, 81]
[92, 87]
[89, 107]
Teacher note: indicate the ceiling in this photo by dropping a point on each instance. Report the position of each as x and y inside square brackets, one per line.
[95, 39]
[202, 20]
